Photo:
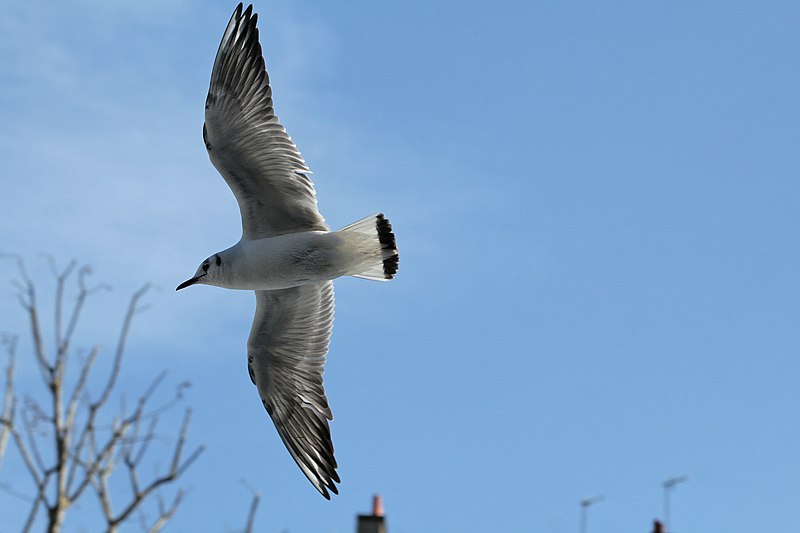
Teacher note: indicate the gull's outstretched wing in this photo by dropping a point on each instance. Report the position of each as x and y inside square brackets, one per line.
[248, 145]
[285, 356]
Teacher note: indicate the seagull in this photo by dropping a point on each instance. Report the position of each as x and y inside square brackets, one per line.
[287, 254]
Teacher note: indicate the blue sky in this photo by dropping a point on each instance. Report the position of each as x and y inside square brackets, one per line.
[596, 206]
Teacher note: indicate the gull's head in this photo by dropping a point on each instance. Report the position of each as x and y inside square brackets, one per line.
[207, 273]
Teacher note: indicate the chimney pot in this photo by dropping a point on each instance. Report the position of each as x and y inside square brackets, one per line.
[375, 522]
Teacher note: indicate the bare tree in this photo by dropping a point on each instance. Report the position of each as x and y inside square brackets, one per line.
[70, 444]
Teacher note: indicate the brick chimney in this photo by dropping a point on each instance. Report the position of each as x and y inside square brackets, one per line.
[374, 523]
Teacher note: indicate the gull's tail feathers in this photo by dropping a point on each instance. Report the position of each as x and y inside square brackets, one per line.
[381, 247]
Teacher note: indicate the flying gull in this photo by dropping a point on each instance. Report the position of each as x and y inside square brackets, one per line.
[287, 254]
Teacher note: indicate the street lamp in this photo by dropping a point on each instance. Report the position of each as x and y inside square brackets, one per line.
[669, 485]
[585, 504]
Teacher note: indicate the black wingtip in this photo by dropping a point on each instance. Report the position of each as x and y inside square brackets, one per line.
[388, 242]
[324, 487]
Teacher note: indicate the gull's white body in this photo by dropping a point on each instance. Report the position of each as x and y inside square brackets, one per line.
[287, 254]
[295, 259]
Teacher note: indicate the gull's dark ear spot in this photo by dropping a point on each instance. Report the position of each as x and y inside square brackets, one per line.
[218, 259]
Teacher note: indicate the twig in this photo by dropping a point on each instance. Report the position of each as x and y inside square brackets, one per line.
[27, 298]
[165, 514]
[29, 424]
[177, 468]
[61, 347]
[123, 336]
[8, 398]
[251, 516]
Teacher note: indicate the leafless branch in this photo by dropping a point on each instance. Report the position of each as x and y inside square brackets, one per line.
[40, 482]
[145, 442]
[23, 451]
[251, 516]
[86, 369]
[30, 431]
[89, 425]
[166, 513]
[61, 278]
[8, 398]
[32, 514]
[27, 298]
[123, 337]
[177, 468]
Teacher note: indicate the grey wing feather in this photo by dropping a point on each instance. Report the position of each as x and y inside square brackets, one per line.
[248, 145]
[286, 354]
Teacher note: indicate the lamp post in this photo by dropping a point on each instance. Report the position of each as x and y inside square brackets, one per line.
[668, 486]
[585, 504]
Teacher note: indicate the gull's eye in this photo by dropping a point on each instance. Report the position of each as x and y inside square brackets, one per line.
[205, 267]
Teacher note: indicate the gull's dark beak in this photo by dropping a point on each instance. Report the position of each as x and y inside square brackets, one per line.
[187, 283]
